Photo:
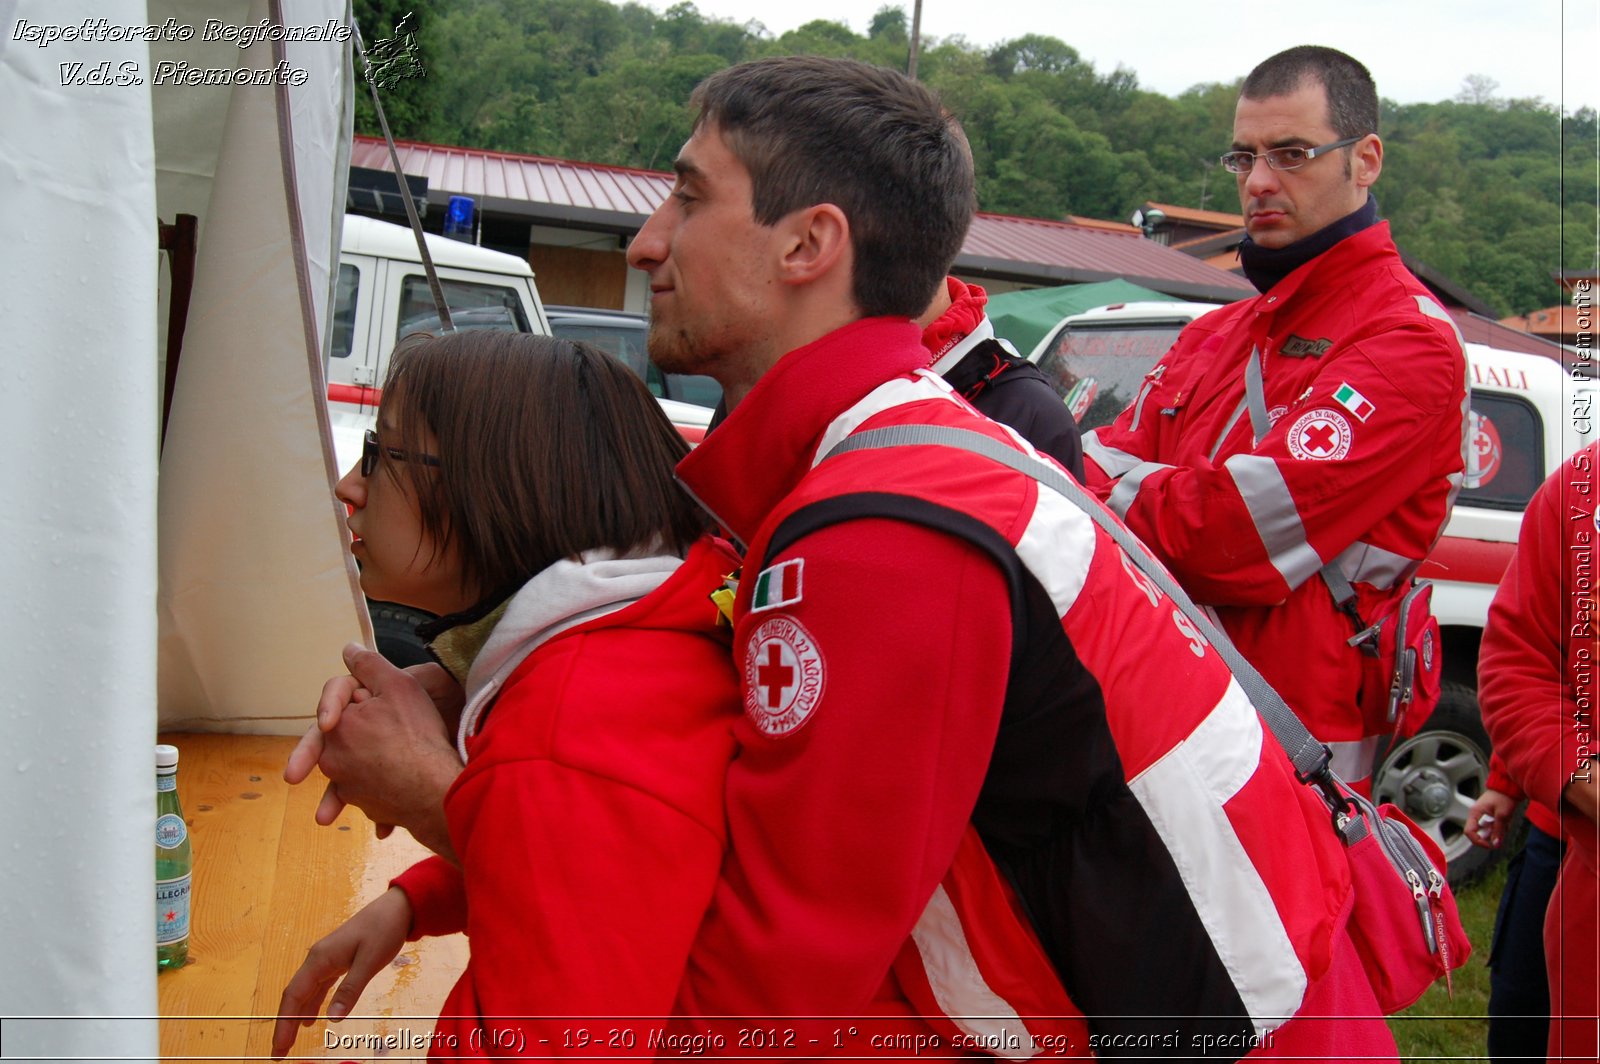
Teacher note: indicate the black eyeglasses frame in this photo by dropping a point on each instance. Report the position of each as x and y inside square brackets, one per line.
[372, 450]
[1272, 155]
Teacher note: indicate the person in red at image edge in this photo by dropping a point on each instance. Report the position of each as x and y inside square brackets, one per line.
[967, 716]
[522, 487]
[1519, 986]
[1360, 448]
[1536, 684]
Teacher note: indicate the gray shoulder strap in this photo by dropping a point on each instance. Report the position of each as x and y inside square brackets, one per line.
[1310, 757]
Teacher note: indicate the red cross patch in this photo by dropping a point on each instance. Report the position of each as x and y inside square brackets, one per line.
[783, 676]
[1483, 458]
[1320, 435]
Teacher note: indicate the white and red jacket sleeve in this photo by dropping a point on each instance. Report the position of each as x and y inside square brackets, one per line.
[1245, 522]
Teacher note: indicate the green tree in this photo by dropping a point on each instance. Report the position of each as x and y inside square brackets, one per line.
[1495, 193]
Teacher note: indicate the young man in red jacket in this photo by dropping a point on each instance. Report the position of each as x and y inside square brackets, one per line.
[1536, 683]
[1323, 421]
[961, 699]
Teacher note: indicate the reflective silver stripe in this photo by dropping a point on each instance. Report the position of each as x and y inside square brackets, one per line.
[1352, 760]
[1113, 461]
[1127, 488]
[1436, 312]
[1145, 389]
[1256, 396]
[1373, 565]
[1232, 421]
[1273, 512]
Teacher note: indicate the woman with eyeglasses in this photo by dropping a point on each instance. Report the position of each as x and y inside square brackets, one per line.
[522, 488]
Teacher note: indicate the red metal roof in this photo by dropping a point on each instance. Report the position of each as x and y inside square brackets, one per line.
[1477, 329]
[1551, 322]
[527, 178]
[1043, 252]
[1194, 216]
[1094, 253]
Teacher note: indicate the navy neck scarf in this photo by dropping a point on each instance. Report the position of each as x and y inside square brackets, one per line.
[1265, 267]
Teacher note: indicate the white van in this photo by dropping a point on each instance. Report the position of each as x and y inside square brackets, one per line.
[383, 294]
[1528, 415]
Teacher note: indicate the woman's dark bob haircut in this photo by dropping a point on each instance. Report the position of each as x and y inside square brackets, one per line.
[547, 448]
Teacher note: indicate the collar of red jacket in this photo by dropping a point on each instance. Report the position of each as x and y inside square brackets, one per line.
[957, 322]
[756, 457]
[1371, 241]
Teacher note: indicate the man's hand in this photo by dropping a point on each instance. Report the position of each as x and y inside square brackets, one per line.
[361, 946]
[382, 741]
[1488, 819]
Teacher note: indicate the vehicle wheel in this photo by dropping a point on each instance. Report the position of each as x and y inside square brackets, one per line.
[1436, 775]
[395, 627]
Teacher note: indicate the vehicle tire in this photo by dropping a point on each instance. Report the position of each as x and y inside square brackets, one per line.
[395, 628]
[1436, 775]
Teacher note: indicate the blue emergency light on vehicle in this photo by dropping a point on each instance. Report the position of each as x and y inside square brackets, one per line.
[458, 218]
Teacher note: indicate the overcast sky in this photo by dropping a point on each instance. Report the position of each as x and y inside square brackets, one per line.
[1419, 51]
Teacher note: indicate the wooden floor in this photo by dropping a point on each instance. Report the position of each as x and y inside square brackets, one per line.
[268, 882]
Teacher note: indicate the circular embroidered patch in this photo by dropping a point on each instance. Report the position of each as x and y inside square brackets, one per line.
[1321, 435]
[783, 676]
[1484, 461]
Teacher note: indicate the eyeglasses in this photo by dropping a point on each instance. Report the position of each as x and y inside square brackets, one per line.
[1290, 158]
[370, 452]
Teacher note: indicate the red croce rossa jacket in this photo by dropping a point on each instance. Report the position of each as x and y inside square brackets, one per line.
[1365, 388]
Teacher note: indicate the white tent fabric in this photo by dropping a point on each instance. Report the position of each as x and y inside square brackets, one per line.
[257, 593]
[78, 420]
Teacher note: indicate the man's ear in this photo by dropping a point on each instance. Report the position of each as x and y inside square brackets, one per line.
[816, 241]
[1368, 161]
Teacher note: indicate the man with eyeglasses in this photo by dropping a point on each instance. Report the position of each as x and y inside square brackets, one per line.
[1305, 446]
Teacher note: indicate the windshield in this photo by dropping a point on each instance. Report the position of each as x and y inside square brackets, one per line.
[472, 306]
[1096, 369]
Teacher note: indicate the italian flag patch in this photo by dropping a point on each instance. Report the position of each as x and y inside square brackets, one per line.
[1354, 401]
[777, 586]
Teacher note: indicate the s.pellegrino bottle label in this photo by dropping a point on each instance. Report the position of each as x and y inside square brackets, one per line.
[172, 910]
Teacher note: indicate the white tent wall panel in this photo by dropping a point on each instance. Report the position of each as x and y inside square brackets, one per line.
[78, 422]
[257, 593]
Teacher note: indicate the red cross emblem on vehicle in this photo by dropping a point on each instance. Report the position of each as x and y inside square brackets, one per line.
[783, 676]
[1484, 462]
[1319, 435]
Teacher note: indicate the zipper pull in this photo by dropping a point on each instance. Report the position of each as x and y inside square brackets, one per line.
[1441, 933]
[1419, 894]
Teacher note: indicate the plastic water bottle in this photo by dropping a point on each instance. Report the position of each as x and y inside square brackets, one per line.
[174, 865]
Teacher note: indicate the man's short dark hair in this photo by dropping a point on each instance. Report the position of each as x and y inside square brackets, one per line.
[865, 138]
[1352, 97]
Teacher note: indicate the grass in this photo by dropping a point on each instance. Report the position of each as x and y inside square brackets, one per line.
[1443, 1026]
